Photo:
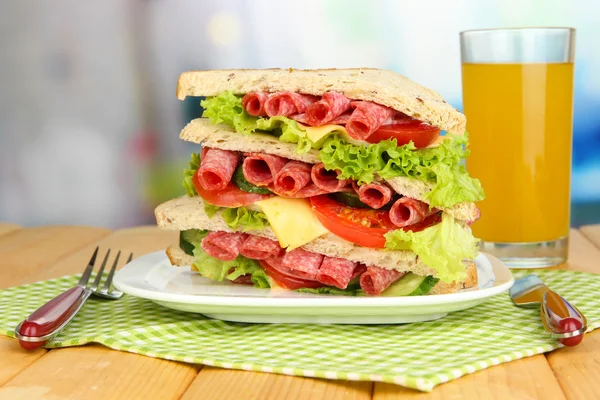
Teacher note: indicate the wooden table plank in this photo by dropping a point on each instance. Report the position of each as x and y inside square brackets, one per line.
[217, 383]
[95, 371]
[527, 378]
[592, 232]
[577, 368]
[26, 253]
[6, 228]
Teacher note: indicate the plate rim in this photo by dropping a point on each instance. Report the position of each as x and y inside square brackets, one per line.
[120, 282]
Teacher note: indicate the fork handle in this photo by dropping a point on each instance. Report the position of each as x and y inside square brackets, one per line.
[50, 317]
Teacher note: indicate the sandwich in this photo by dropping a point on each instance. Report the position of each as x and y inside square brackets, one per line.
[340, 182]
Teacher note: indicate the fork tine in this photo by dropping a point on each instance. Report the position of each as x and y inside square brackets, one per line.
[88, 270]
[130, 258]
[100, 272]
[111, 273]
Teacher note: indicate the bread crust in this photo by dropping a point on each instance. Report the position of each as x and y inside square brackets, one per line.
[380, 86]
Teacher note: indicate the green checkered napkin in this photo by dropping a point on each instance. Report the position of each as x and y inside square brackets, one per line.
[418, 355]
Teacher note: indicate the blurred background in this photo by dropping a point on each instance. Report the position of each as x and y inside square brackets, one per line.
[89, 121]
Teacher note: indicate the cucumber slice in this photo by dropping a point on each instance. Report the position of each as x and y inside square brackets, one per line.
[189, 237]
[240, 181]
[349, 198]
[411, 285]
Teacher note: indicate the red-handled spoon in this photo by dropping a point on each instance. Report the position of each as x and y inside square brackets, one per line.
[562, 319]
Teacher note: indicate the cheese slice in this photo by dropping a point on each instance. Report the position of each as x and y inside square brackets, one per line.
[319, 133]
[292, 220]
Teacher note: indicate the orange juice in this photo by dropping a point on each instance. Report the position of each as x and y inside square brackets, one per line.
[519, 119]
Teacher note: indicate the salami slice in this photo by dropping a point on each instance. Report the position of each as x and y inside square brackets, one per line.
[407, 211]
[288, 103]
[327, 180]
[260, 248]
[223, 245]
[309, 190]
[359, 270]
[294, 176]
[300, 118]
[254, 103]
[374, 194]
[243, 280]
[260, 169]
[303, 264]
[342, 119]
[375, 280]
[336, 272]
[331, 106]
[217, 168]
[366, 118]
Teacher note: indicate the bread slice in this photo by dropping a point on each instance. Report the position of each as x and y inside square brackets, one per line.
[180, 259]
[383, 87]
[224, 137]
[187, 212]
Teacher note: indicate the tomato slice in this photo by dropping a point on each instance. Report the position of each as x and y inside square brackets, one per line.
[362, 226]
[231, 196]
[286, 281]
[406, 130]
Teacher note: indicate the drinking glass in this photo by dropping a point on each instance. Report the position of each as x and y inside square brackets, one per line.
[518, 99]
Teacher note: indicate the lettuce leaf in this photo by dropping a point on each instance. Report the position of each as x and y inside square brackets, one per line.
[188, 175]
[441, 165]
[238, 217]
[443, 247]
[245, 219]
[218, 270]
[227, 108]
[350, 291]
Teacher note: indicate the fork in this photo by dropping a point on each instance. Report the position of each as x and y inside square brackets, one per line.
[53, 316]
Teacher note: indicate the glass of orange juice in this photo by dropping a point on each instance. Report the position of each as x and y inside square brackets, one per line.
[518, 99]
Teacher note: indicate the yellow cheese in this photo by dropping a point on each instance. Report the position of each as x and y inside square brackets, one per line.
[292, 220]
[319, 133]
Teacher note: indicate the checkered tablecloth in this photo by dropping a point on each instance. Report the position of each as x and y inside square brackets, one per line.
[418, 355]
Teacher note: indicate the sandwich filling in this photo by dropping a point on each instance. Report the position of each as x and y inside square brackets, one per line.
[360, 145]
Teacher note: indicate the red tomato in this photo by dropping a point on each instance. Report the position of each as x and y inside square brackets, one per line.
[231, 196]
[362, 226]
[286, 281]
[569, 325]
[405, 130]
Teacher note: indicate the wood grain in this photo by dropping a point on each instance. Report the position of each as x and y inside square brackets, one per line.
[216, 383]
[592, 232]
[576, 369]
[528, 378]
[26, 253]
[8, 228]
[94, 372]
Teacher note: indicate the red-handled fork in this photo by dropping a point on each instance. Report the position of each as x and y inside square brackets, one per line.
[53, 316]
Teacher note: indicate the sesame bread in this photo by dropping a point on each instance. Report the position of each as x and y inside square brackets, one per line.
[188, 213]
[383, 87]
[225, 138]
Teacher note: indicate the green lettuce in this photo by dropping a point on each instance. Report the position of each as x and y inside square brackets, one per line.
[245, 219]
[329, 290]
[188, 175]
[443, 247]
[441, 166]
[238, 217]
[227, 108]
[218, 270]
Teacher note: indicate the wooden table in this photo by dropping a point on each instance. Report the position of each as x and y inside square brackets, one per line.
[95, 372]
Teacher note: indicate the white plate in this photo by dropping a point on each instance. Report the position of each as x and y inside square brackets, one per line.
[152, 277]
